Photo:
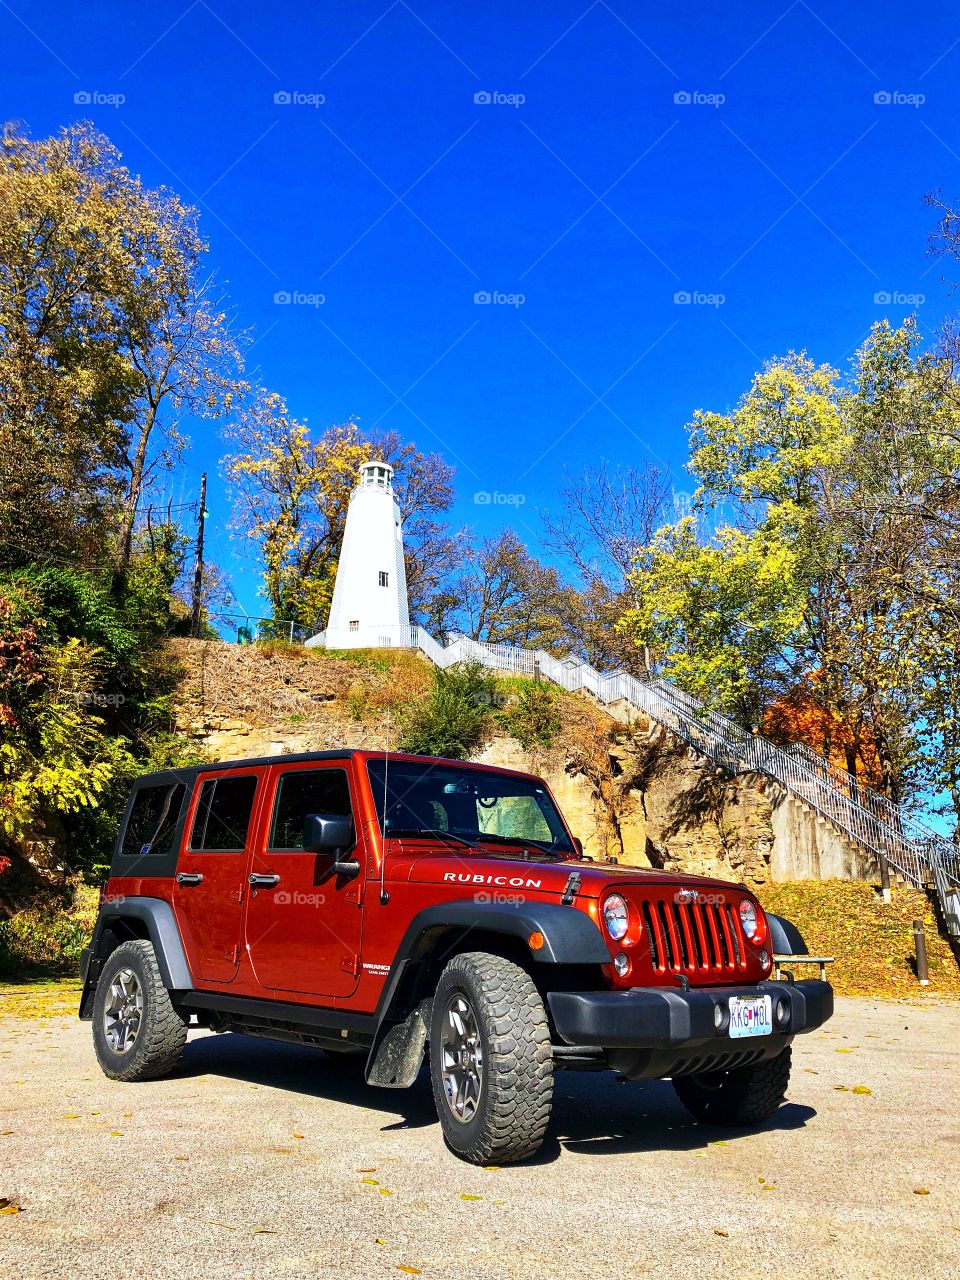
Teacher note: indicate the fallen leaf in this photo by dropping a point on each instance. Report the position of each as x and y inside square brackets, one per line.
[298, 1135]
[464, 1196]
[9, 1205]
[385, 1192]
[843, 1051]
[379, 1240]
[921, 1191]
[263, 1231]
[411, 1271]
[862, 1088]
[491, 1168]
[810, 1071]
[116, 1134]
[840, 1088]
[719, 1231]
[718, 1142]
[71, 1115]
[366, 1171]
[6, 1133]
[371, 1182]
[181, 1157]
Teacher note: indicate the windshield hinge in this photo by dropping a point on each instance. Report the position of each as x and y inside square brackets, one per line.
[572, 888]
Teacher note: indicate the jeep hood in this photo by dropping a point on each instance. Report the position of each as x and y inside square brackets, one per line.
[504, 871]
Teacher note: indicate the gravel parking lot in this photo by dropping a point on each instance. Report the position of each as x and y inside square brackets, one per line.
[261, 1160]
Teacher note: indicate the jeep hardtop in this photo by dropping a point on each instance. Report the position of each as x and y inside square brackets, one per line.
[400, 907]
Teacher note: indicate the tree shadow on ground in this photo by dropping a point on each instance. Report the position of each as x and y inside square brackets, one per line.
[593, 1113]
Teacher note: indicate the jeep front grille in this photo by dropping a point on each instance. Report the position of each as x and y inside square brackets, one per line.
[694, 937]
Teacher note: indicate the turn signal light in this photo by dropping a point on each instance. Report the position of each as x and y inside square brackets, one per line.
[536, 940]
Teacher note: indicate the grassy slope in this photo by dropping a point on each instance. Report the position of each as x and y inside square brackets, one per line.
[872, 943]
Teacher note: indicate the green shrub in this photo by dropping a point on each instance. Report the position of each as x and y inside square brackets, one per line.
[47, 939]
[532, 714]
[453, 719]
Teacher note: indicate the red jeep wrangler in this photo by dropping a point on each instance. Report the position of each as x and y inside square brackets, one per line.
[384, 905]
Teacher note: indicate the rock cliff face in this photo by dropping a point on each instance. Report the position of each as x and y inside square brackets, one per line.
[649, 802]
[629, 790]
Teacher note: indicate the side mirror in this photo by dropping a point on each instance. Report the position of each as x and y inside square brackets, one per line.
[330, 833]
[578, 845]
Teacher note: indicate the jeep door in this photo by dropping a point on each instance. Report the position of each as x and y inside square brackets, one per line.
[303, 921]
[208, 891]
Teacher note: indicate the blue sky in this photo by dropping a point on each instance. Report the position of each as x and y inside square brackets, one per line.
[594, 160]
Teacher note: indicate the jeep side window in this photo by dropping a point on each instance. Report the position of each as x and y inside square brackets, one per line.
[303, 791]
[153, 820]
[223, 815]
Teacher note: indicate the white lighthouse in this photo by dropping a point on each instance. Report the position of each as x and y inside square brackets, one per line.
[369, 607]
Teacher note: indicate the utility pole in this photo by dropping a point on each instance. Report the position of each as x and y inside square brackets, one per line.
[198, 569]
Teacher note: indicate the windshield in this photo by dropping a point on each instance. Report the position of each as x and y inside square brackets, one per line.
[444, 800]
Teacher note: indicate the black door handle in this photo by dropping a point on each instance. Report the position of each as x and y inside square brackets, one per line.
[262, 882]
[189, 877]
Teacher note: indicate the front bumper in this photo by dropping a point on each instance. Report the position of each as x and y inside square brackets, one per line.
[652, 1031]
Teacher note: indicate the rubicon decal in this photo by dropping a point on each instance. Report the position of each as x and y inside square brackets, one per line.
[512, 882]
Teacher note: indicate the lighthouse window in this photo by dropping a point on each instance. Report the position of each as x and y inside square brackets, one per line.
[384, 578]
[354, 624]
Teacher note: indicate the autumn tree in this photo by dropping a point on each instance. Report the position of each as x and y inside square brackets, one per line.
[111, 335]
[508, 597]
[603, 515]
[816, 575]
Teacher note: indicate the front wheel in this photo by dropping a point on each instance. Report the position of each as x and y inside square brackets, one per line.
[491, 1063]
[744, 1096]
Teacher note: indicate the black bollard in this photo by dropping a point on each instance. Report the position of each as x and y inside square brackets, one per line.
[920, 945]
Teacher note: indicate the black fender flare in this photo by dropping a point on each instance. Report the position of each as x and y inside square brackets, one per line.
[569, 937]
[785, 938]
[161, 925]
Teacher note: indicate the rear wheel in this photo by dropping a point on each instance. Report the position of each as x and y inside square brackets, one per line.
[137, 1033]
[744, 1096]
[491, 1063]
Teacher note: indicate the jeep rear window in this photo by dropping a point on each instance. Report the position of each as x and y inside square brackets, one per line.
[469, 803]
[222, 819]
[304, 791]
[152, 824]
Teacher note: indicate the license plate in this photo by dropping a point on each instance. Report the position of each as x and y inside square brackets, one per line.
[751, 1016]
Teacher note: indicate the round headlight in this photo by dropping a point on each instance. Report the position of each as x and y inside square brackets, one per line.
[748, 918]
[615, 916]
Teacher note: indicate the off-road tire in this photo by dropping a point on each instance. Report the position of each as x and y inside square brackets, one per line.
[745, 1096]
[516, 1089]
[162, 1032]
